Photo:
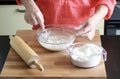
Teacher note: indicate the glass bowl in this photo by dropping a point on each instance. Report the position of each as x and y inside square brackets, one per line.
[86, 55]
[55, 38]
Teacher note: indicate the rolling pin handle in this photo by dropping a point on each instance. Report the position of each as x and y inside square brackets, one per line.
[10, 37]
[38, 65]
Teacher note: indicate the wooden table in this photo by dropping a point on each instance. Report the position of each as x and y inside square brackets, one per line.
[57, 64]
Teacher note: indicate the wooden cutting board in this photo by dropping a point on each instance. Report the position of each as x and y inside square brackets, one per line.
[56, 64]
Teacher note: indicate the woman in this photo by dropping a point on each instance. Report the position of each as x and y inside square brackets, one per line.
[82, 15]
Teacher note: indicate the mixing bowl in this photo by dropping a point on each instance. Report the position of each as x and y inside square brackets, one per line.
[55, 38]
[86, 55]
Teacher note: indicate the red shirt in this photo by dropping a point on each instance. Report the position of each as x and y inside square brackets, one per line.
[72, 12]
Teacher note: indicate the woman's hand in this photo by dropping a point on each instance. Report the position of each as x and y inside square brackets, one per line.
[87, 29]
[33, 15]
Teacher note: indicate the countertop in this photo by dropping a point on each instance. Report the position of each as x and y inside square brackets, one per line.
[8, 2]
[110, 43]
[57, 64]
[4, 49]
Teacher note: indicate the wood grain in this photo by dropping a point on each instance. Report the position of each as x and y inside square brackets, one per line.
[57, 64]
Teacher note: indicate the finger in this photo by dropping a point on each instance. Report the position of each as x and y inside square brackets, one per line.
[40, 20]
[34, 20]
[80, 26]
[27, 19]
[87, 35]
[85, 30]
[91, 35]
[42, 25]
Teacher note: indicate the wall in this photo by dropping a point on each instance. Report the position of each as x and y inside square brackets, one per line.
[11, 21]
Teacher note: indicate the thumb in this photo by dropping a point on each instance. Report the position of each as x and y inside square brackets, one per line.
[91, 35]
[80, 26]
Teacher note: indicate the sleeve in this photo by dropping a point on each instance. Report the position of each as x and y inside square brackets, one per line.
[18, 2]
[110, 5]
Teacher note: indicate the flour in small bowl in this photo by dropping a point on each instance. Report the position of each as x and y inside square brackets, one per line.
[86, 55]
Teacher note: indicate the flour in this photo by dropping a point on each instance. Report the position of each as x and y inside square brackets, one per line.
[88, 55]
[57, 39]
[56, 42]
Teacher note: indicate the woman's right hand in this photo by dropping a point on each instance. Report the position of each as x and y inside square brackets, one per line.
[33, 15]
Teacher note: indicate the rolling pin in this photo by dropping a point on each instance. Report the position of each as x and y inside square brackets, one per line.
[25, 52]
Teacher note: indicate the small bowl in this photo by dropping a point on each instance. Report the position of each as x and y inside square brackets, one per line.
[86, 55]
[55, 38]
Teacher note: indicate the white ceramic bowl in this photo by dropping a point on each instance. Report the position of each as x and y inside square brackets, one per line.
[86, 55]
[55, 38]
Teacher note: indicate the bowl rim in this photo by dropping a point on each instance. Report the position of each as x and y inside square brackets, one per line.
[72, 36]
[77, 43]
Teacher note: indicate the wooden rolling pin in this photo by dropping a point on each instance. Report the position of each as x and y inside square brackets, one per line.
[25, 52]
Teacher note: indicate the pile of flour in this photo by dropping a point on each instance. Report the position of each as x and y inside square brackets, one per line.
[87, 55]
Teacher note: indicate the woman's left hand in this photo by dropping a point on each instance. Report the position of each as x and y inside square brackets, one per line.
[87, 28]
